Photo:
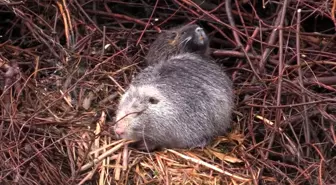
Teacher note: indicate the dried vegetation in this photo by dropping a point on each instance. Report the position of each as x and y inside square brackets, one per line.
[64, 64]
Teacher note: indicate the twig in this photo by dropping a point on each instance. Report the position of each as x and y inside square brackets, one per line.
[197, 161]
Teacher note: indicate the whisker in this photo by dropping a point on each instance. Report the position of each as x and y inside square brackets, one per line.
[185, 41]
[144, 139]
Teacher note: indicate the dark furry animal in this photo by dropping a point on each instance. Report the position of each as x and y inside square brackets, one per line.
[178, 40]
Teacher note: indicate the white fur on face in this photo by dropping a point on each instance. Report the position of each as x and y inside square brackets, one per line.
[122, 109]
[149, 91]
[124, 96]
[198, 29]
[133, 95]
[136, 99]
[199, 32]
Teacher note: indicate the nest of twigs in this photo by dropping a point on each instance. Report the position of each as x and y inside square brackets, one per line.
[65, 63]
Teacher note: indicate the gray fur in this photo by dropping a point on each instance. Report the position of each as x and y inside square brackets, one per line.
[185, 39]
[195, 101]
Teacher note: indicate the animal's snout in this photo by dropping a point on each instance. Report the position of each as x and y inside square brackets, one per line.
[200, 33]
[120, 127]
[119, 131]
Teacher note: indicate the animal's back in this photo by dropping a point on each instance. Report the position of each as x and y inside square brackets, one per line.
[181, 69]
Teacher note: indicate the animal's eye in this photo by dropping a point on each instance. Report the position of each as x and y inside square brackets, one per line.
[153, 100]
[183, 33]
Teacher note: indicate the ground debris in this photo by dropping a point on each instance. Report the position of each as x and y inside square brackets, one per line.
[64, 64]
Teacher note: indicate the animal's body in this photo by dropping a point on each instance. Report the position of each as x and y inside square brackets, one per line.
[182, 102]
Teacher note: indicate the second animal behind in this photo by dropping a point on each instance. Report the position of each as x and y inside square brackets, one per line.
[182, 39]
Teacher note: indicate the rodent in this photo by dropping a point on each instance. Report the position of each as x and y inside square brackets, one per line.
[182, 102]
[182, 39]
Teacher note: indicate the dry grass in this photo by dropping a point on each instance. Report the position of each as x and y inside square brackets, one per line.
[64, 64]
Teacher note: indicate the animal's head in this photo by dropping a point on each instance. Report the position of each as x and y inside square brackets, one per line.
[191, 38]
[138, 110]
[186, 39]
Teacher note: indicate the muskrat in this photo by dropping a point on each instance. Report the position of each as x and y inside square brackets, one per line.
[182, 39]
[182, 102]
